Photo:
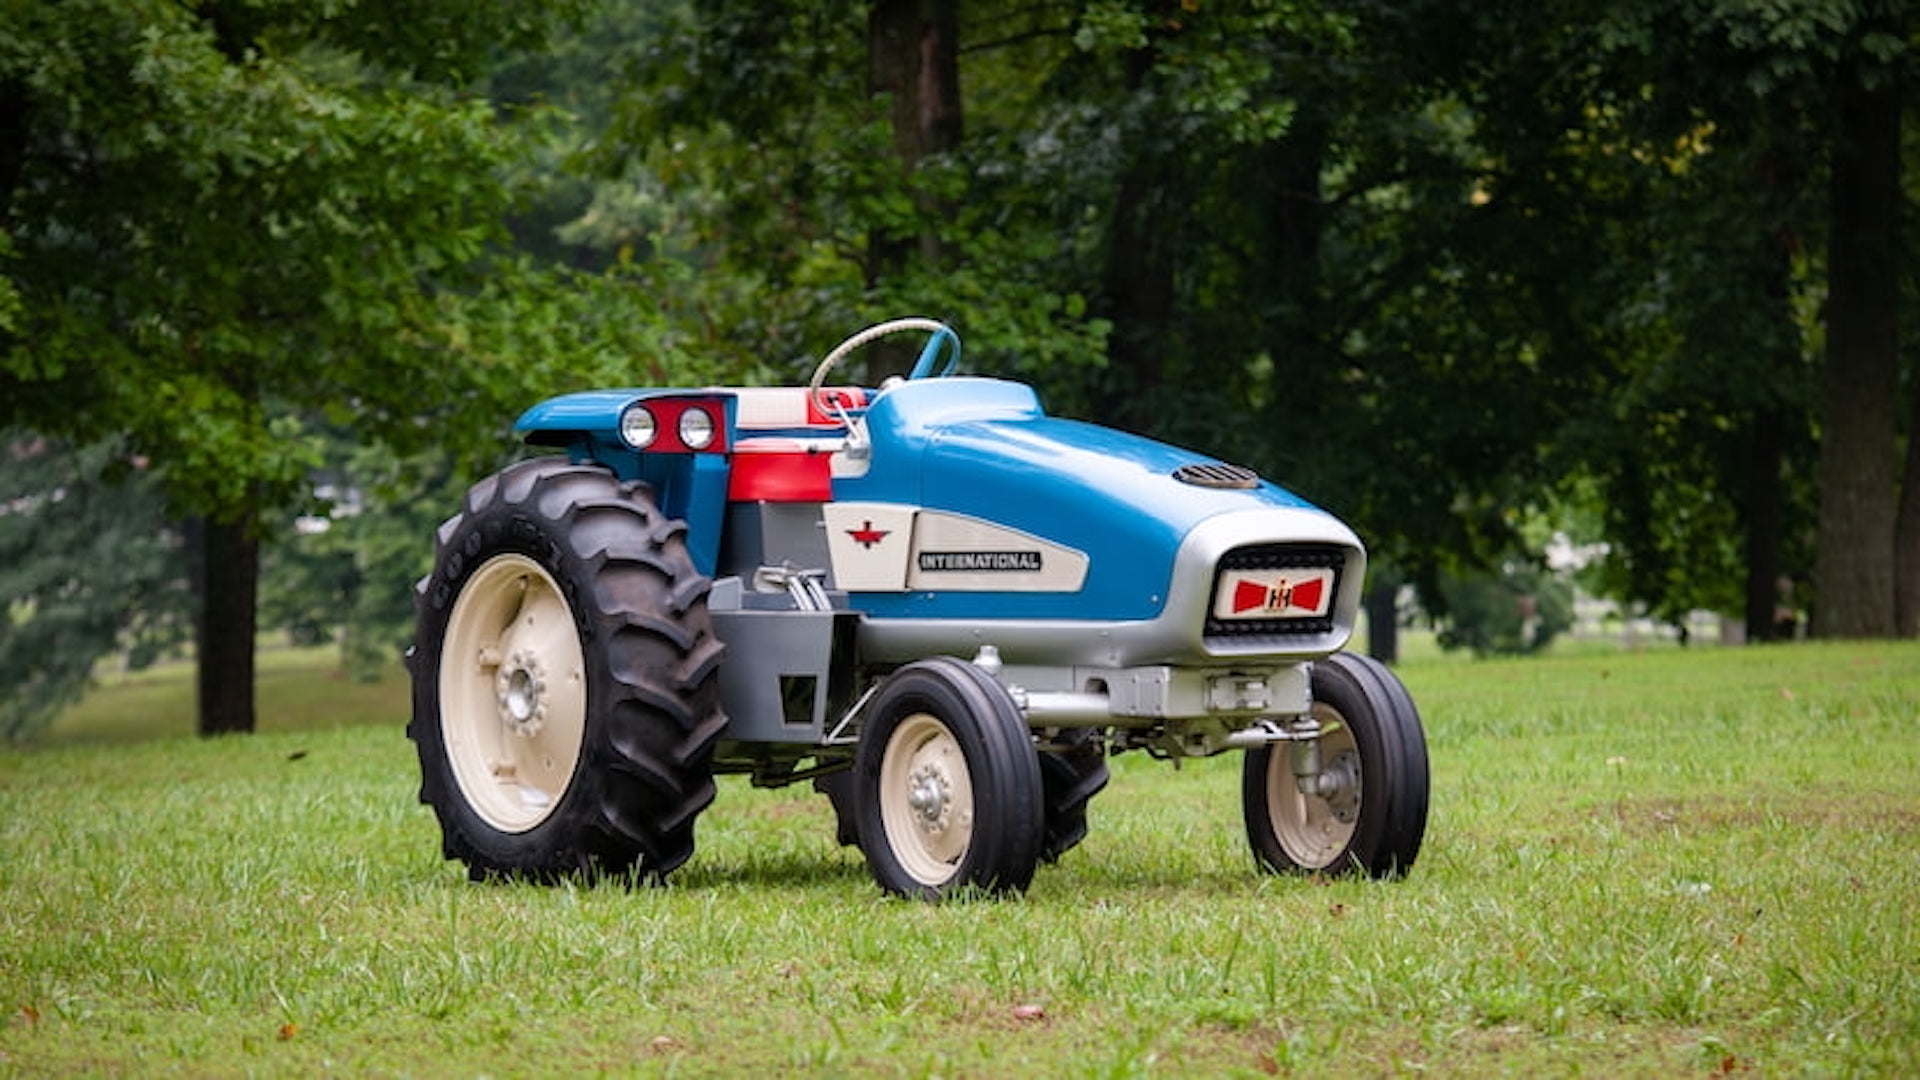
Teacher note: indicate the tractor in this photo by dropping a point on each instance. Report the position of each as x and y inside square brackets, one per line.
[941, 606]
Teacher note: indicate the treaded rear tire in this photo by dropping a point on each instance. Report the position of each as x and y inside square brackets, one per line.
[648, 705]
[1069, 778]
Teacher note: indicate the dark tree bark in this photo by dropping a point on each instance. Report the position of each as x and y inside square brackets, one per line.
[1859, 486]
[1906, 537]
[1287, 179]
[1137, 280]
[1764, 513]
[228, 575]
[913, 57]
[1383, 619]
[16, 104]
[1763, 501]
[1138, 286]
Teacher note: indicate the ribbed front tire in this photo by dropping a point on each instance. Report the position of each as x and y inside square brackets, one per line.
[947, 784]
[1368, 812]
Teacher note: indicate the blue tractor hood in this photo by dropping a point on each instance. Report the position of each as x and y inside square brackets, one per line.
[985, 449]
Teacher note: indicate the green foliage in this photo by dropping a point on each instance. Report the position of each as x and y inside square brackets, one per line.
[1514, 612]
[89, 568]
[235, 229]
[229, 219]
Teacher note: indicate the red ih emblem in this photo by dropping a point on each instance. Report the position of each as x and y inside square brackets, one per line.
[866, 535]
[1269, 594]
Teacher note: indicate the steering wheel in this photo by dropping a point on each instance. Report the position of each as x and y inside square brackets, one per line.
[944, 341]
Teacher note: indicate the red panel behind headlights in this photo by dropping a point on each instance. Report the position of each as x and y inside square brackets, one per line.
[666, 417]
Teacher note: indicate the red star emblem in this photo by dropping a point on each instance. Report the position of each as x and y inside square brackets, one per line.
[866, 535]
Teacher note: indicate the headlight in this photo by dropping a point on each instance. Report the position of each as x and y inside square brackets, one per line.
[637, 426]
[696, 429]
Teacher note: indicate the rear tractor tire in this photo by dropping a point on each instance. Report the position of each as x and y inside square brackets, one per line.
[1369, 812]
[1070, 776]
[565, 692]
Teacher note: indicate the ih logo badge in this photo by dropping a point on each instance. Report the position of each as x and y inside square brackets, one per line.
[1274, 594]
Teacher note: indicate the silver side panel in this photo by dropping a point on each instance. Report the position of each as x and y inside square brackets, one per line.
[779, 684]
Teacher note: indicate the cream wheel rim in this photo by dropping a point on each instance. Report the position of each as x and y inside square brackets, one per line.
[926, 799]
[512, 693]
[1314, 830]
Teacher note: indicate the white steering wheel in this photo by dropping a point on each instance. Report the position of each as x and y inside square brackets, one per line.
[944, 339]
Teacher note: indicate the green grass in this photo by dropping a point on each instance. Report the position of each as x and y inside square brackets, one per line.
[1669, 863]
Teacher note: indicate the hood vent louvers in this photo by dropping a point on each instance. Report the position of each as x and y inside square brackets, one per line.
[1218, 475]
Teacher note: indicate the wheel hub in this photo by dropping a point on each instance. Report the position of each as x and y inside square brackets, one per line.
[1339, 784]
[927, 794]
[520, 687]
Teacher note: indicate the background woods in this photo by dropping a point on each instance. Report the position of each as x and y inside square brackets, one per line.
[1466, 275]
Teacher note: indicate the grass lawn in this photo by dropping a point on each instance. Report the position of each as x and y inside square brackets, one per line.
[1642, 864]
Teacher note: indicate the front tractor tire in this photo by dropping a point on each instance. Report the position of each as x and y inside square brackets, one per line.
[565, 691]
[1368, 811]
[947, 783]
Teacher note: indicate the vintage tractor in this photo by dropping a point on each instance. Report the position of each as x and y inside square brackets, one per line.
[938, 604]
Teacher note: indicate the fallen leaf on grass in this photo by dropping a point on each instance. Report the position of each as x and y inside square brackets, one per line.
[287, 1032]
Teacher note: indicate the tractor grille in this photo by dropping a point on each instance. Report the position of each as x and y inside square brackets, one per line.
[1267, 590]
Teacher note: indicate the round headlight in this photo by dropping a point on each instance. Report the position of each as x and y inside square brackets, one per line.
[637, 426]
[696, 429]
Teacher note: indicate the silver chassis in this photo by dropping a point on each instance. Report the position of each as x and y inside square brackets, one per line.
[1160, 685]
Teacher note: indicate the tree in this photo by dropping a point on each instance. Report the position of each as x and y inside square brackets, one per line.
[1856, 574]
[89, 566]
[1435, 265]
[228, 218]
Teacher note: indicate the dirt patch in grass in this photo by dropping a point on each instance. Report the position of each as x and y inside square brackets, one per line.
[1712, 813]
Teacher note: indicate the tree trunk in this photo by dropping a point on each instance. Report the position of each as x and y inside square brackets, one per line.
[1137, 280]
[228, 574]
[16, 103]
[1859, 488]
[1906, 537]
[1383, 618]
[1138, 285]
[1764, 512]
[1763, 507]
[913, 58]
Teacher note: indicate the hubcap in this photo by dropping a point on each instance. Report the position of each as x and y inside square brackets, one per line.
[522, 689]
[1314, 830]
[926, 799]
[512, 693]
[929, 797]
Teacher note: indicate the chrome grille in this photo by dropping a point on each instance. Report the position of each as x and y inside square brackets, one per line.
[1277, 557]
